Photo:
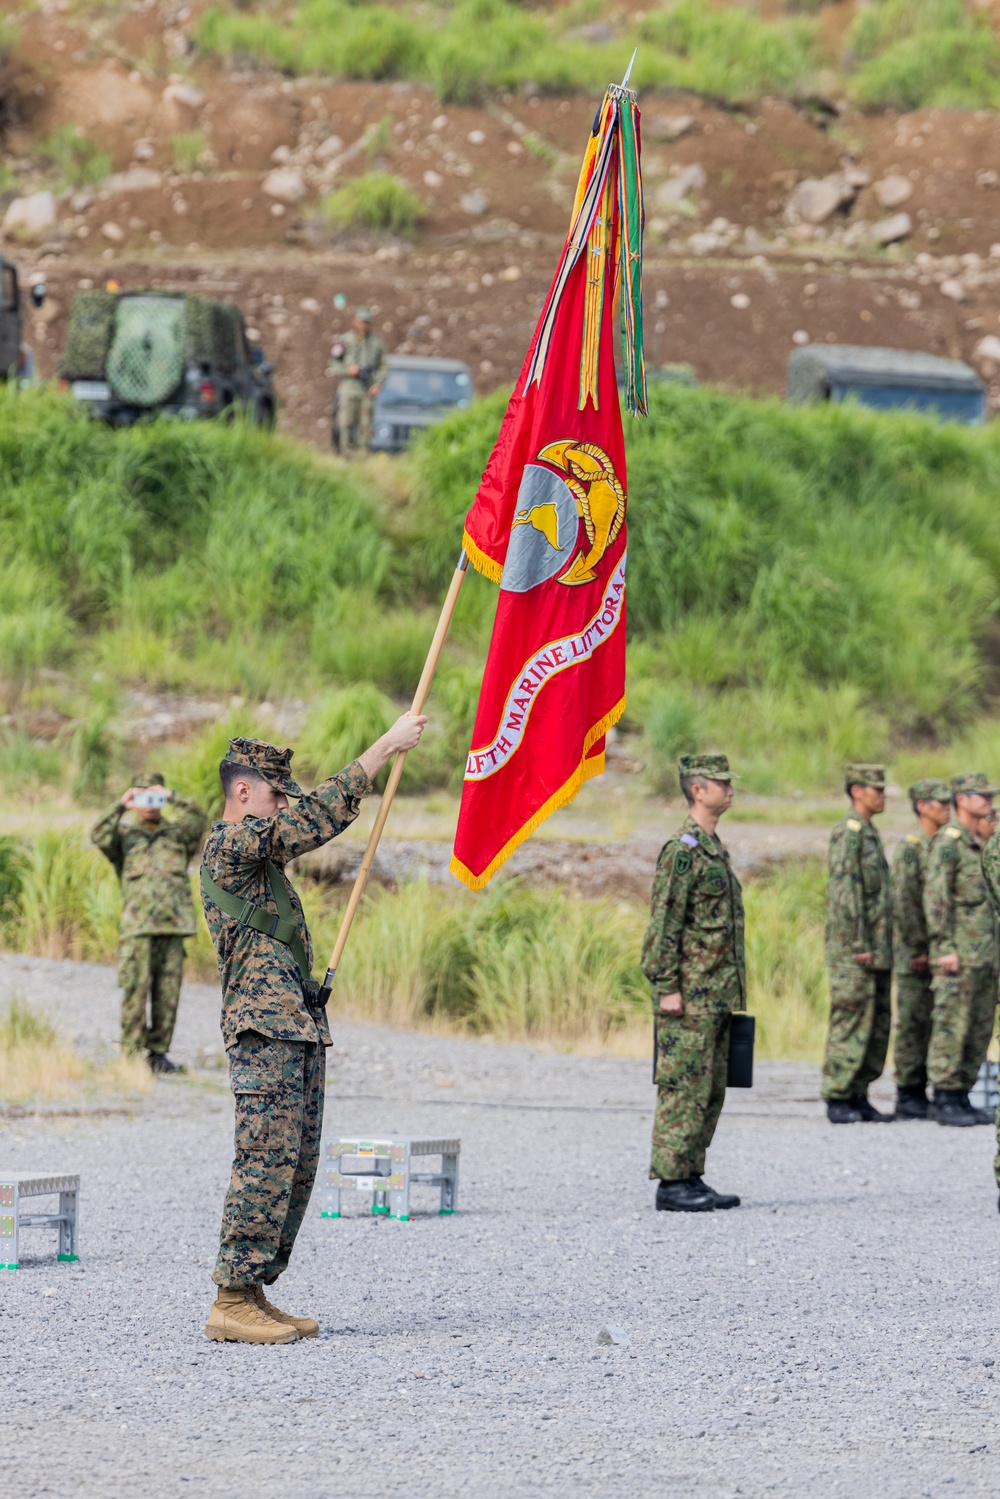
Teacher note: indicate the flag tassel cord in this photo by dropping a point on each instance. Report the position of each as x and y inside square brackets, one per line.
[381, 816]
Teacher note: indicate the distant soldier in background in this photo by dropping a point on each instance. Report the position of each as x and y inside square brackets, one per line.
[360, 361]
[963, 949]
[931, 801]
[692, 956]
[151, 856]
[858, 948]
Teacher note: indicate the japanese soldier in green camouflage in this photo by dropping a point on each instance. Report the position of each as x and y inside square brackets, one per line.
[359, 359]
[151, 854]
[931, 801]
[274, 1029]
[963, 949]
[991, 874]
[858, 950]
[692, 956]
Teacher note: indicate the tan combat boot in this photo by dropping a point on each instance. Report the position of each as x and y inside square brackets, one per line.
[236, 1318]
[306, 1327]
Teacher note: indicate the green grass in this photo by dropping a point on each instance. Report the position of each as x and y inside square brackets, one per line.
[74, 157]
[375, 200]
[187, 146]
[912, 54]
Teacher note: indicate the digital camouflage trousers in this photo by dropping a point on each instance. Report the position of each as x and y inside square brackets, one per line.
[692, 1060]
[149, 972]
[354, 418]
[279, 1119]
[914, 1008]
[961, 1027]
[858, 1035]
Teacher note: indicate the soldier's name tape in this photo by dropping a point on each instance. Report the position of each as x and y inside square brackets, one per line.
[541, 668]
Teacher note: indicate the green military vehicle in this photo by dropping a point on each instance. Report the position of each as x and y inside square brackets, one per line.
[135, 355]
[887, 379]
[16, 359]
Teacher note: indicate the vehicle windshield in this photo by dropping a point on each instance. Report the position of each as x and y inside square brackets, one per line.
[416, 387]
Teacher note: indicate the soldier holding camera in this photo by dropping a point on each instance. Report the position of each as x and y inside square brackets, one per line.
[151, 855]
[359, 359]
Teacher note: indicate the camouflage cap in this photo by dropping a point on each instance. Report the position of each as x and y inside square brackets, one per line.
[151, 778]
[930, 790]
[856, 774]
[713, 767]
[273, 764]
[363, 314]
[973, 783]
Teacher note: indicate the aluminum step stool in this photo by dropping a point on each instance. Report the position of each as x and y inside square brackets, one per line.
[984, 1093]
[383, 1168]
[15, 1188]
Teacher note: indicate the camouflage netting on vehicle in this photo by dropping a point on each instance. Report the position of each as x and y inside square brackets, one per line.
[211, 331]
[88, 337]
[147, 359]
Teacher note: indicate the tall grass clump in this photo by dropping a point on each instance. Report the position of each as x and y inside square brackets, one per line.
[786, 977]
[375, 200]
[730, 53]
[76, 159]
[916, 54]
[36, 1063]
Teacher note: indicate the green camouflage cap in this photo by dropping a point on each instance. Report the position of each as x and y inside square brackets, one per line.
[930, 790]
[273, 764]
[713, 767]
[856, 774]
[973, 783]
[151, 778]
[363, 314]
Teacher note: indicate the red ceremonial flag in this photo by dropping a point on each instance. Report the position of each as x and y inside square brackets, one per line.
[548, 523]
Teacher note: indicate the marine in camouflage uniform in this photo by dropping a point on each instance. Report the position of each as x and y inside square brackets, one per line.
[275, 1032]
[931, 801]
[693, 957]
[151, 857]
[858, 951]
[963, 949]
[991, 874]
[362, 351]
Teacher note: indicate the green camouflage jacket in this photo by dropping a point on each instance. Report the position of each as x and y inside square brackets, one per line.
[694, 941]
[367, 353]
[858, 899]
[261, 985]
[991, 871]
[909, 925]
[957, 904]
[152, 864]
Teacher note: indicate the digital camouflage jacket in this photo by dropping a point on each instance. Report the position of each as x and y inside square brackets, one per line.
[261, 985]
[694, 941]
[909, 925]
[991, 871]
[957, 904]
[152, 864]
[858, 898]
[367, 353]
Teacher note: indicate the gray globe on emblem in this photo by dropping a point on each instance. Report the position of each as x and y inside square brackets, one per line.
[544, 533]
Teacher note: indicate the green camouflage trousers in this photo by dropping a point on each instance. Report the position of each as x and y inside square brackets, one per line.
[914, 1007]
[279, 1118]
[354, 418]
[149, 969]
[964, 1008]
[692, 1059]
[858, 1035]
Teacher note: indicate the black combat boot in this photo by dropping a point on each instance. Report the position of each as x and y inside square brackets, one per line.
[160, 1063]
[868, 1111]
[981, 1116]
[843, 1111]
[911, 1103]
[683, 1197]
[720, 1199]
[948, 1109]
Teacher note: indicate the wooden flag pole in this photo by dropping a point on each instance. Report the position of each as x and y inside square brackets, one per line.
[417, 706]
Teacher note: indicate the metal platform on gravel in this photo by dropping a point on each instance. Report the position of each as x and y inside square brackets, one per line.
[16, 1189]
[383, 1169]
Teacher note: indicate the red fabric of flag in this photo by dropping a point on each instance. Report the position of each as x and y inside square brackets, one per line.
[548, 523]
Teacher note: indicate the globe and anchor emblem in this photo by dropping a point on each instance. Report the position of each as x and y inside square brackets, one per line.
[569, 481]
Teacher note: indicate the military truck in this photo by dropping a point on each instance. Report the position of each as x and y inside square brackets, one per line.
[418, 392]
[131, 355]
[16, 359]
[887, 378]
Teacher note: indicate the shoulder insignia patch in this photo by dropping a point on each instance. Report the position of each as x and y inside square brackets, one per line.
[909, 856]
[682, 862]
[953, 832]
[854, 825]
[689, 839]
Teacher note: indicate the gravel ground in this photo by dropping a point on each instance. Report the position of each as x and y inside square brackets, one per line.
[834, 1336]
